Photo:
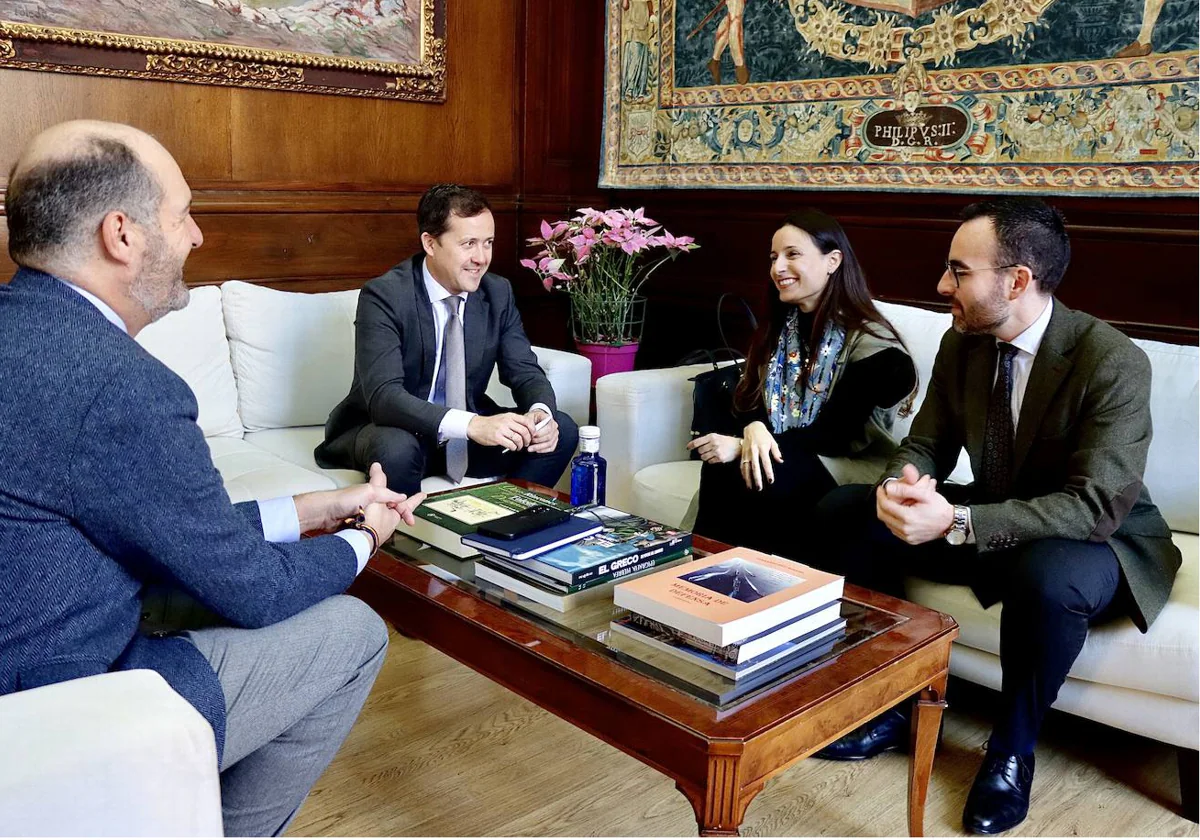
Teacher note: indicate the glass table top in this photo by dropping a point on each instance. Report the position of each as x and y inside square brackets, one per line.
[587, 626]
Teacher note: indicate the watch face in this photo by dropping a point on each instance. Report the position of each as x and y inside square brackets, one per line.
[956, 537]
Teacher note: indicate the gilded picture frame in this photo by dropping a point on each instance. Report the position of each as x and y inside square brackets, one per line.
[388, 49]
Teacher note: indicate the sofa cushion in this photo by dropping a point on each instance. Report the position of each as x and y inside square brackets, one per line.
[253, 473]
[1162, 661]
[293, 353]
[663, 492]
[1172, 467]
[922, 331]
[114, 755]
[1158, 716]
[192, 343]
[296, 446]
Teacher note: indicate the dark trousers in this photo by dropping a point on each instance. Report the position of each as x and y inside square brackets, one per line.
[407, 458]
[1052, 591]
[774, 519]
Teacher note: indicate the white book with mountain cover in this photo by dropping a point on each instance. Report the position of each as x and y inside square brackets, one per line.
[728, 597]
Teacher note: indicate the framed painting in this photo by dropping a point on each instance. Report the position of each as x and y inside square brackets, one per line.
[1023, 96]
[392, 49]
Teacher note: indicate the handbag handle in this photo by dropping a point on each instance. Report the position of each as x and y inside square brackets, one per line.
[712, 356]
[696, 357]
[721, 311]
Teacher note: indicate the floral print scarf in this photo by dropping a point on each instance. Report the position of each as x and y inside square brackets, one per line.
[790, 406]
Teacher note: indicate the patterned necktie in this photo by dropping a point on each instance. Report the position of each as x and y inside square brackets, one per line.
[998, 436]
[454, 385]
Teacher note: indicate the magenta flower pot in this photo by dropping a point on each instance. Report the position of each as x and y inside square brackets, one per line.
[608, 358]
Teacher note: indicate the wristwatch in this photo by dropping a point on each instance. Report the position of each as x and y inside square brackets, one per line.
[956, 534]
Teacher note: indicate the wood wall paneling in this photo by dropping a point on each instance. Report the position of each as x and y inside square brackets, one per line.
[1134, 263]
[303, 187]
[307, 192]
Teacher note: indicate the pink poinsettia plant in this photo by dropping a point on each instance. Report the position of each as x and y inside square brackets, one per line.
[601, 258]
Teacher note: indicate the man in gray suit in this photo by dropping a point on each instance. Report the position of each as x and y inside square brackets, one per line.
[428, 334]
[1053, 408]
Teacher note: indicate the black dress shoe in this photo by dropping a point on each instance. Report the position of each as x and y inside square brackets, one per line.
[888, 731]
[999, 799]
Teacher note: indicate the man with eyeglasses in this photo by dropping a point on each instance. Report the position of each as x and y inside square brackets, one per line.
[1053, 408]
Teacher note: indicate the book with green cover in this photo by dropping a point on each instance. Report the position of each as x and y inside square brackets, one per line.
[444, 518]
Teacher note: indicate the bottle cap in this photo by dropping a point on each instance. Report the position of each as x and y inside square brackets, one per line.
[589, 433]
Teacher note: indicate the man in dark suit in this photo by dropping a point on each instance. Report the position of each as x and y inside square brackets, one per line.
[1053, 408]
[108, 488]
[428, 334]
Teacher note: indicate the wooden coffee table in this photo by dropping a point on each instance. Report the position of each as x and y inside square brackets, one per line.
[652, 706]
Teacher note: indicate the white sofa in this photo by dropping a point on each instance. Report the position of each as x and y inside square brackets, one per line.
[1148, 684]
[122, 754]
[268, 366]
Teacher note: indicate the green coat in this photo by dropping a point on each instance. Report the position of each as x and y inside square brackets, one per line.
[1079, 452]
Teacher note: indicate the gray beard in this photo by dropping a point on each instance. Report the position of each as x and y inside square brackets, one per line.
[159, 287]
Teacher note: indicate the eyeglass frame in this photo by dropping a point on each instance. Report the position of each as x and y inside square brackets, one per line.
[955, 271]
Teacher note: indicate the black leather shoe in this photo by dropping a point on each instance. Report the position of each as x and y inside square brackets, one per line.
[999, 799]
[888, 731]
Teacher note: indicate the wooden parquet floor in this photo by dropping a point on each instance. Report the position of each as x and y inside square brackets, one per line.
[442, 751]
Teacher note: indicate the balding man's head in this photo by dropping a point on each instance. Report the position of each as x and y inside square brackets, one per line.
[68, 179]
[104, 206]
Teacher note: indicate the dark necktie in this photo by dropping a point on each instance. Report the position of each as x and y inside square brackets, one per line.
[454, 385]
[998, 436]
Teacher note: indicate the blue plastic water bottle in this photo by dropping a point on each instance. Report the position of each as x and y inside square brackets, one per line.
[588, 470]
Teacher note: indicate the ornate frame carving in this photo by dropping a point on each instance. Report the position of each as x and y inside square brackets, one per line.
[25, 46]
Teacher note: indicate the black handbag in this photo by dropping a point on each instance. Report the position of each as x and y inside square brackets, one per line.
[712, 390]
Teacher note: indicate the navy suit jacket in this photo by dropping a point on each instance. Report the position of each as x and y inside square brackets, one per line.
[395, 350]
[107, 485]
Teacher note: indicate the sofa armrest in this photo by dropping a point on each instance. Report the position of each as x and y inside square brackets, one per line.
[645, 418]
[114, 754]
[570, 375]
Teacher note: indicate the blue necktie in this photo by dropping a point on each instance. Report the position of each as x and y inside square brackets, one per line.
[452, 383]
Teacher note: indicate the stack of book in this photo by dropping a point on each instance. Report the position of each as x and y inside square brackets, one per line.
[737, 613]
[611, 546]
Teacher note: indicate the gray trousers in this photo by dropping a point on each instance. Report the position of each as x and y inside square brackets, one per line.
[292, 692]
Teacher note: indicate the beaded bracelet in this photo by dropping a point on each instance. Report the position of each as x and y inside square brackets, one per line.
[359, 523]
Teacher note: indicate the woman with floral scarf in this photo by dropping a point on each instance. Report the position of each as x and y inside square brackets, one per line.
[824, 379]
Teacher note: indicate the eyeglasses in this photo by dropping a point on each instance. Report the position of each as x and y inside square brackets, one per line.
[957, 273]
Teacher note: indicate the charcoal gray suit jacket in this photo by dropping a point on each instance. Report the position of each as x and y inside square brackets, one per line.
[394, 354]
[1078, 455]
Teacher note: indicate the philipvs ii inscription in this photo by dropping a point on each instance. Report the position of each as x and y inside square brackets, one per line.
[928, 127]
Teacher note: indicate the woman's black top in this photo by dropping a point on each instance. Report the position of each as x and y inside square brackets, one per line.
[879, 381]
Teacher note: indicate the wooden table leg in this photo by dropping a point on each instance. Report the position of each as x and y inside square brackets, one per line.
[721, 806]
[927, 720]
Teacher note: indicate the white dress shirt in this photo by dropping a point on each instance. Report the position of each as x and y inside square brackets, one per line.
[280, 522]
[1027, 344]
[455, 421]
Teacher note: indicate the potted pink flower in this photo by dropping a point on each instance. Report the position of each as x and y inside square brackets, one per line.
[601, 259]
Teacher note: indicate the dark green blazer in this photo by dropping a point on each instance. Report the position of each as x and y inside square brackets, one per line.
[1079, 452]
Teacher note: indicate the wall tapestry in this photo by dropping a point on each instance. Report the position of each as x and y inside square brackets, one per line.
[393, 49]
[1022, 96]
